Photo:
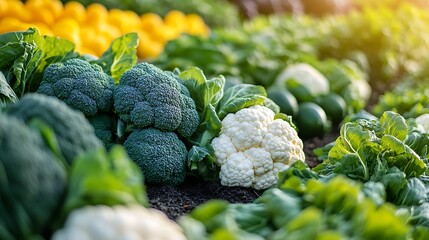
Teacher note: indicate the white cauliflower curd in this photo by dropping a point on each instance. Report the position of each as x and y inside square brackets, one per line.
[253, 148]
[118, 223]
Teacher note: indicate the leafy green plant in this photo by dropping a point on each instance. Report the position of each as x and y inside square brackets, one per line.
[24, 56]
[409, 98]
[337, 209]
[245, 53]
[107, 178]
[213, 104]
[389, 151]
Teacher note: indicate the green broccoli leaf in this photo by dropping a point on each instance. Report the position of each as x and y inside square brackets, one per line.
[202, 161]
[120, 57]
[204, 91]
[6, 92]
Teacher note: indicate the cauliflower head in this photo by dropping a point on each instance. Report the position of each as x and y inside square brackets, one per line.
[149, 97]
[423, 121]
[306, 76]
[83, 86]
[253, 148]
[118, 222]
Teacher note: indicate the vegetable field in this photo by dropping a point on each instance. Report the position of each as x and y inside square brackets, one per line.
[215, 120]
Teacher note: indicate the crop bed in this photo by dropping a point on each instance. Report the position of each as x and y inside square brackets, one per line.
[176, 201]
[283, 127]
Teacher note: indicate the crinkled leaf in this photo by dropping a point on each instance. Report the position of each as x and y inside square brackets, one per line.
[393, 180]
[271, 105]
[48, 50]
[420, 215]
[413, 193]
[204, 92]
[375, 191]
[240, 96]
[6, 92]
[210, 127]
[212, 120]
[402, 156]
[351, 152]
[394, 124]
[201, 160]
[120, 56]
[419, 143]
[26, 55]
[207, 213]
[296, 176]
[11, 47]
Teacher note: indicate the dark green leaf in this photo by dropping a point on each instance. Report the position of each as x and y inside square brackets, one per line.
[6, 92]
[240, 96]
[202, 161]
[271, 105]
[413, 193]
[204, 92]
[252, 217]
[104, 178]
[281, 206]
[402, 156]
[375, 191]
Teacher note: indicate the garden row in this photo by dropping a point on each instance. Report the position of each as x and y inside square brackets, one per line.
[225, 108]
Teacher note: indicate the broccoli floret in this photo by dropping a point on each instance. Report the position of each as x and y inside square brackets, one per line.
[72, 130]
[149, 97]
[83, 86]
[104, 126]
[32, 181]
[160, 155]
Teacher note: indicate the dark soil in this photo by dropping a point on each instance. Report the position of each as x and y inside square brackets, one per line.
[176, 201]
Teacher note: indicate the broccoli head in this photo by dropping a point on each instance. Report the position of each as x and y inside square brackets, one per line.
[160, 155]
[150, 97]
[83, 86]
[73, 132]
[104, 126]
[32, 181]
